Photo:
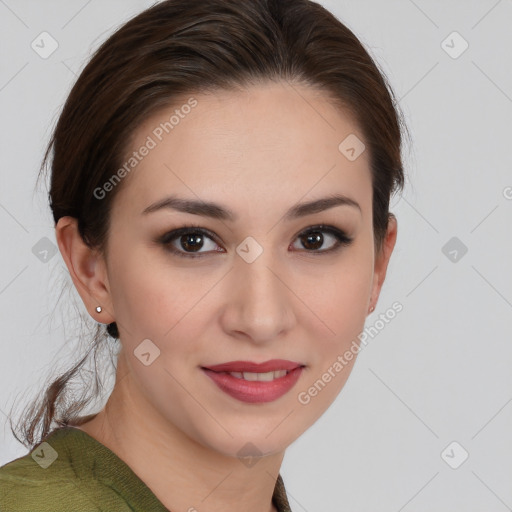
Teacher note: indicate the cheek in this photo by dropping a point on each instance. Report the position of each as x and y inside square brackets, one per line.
[147, 298]
[339, 294]
[166, 304]
[340, 304]
[340, 316]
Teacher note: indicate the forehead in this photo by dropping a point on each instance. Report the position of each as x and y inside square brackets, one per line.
[269, 142]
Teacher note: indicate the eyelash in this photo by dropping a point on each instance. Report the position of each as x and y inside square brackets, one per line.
[341, 238]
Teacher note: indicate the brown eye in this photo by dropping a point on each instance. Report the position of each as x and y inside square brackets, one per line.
[189, 241]
[314, 239]
[192, 242]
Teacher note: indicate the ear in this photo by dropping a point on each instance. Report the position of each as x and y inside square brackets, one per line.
[382, 259]
[87, 269]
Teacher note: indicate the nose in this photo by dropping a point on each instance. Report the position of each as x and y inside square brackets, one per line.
[260, 302]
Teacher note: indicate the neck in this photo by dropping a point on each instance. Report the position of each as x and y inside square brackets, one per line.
[184, 474]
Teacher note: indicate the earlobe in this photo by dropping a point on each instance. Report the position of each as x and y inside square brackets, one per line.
[86, 268]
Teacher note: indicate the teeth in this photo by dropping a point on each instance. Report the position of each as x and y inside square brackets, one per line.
[268, 376]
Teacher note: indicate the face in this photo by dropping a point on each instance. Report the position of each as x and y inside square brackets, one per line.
[266, 282]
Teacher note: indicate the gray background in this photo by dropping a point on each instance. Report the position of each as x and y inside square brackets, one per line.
[440, 371]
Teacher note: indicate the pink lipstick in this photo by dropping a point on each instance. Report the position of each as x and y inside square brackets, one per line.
[255, 382]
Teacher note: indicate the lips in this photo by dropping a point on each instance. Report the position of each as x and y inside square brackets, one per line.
[248, 366]
[251, 391]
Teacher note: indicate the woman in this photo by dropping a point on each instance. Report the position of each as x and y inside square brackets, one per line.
[220, 185]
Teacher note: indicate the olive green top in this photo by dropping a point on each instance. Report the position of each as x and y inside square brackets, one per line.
[72, 471]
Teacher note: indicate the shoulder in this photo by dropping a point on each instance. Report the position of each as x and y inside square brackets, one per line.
[46, 480]
[26, 486]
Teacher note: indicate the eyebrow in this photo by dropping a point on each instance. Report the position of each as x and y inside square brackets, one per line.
[216, 211]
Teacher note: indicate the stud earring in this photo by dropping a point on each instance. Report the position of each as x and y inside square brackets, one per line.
[371, 309]
[98, 309]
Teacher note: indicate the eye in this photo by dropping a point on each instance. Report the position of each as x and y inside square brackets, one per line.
[188, 241]
[188, 238]
[313, 238]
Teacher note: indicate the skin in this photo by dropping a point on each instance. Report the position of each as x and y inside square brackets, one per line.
[258, 153]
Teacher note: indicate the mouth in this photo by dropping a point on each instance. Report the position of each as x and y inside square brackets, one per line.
[257, 376]
[247, 370]
[252, 382]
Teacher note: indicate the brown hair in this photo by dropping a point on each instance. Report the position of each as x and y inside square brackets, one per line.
[180, 47]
